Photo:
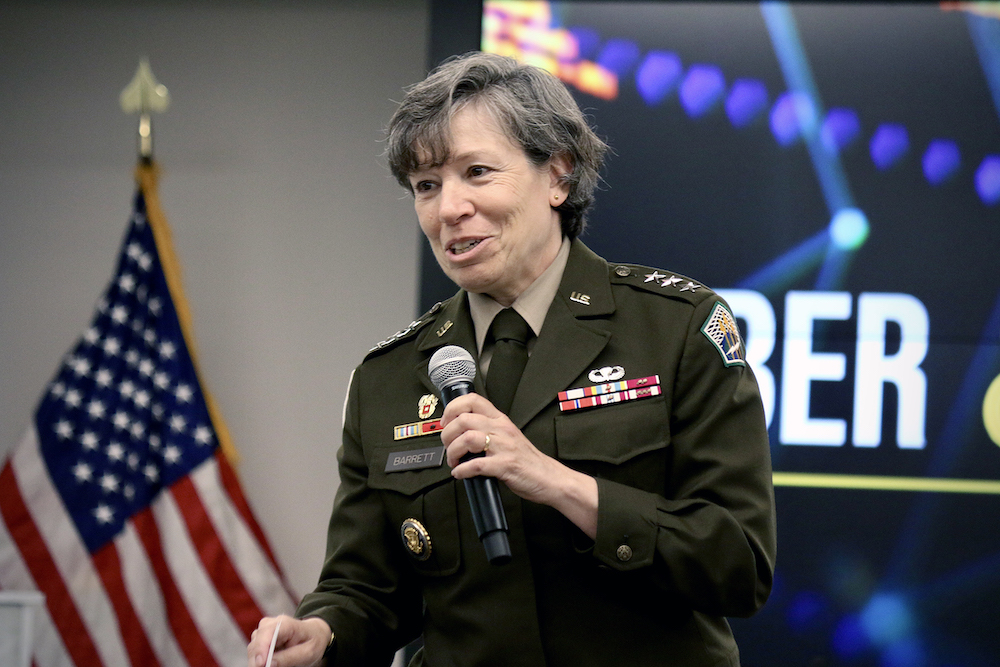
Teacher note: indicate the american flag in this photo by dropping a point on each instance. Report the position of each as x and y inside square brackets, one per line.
[119, 504]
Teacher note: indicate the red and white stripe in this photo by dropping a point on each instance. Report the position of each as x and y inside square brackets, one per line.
[184, 584]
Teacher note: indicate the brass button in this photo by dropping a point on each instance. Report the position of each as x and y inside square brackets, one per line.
[624, 553]
[623, 271]
[415, 539]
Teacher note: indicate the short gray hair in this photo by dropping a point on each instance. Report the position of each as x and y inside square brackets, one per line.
[534, 108]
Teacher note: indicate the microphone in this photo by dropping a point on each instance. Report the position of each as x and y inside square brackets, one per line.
[452, 370]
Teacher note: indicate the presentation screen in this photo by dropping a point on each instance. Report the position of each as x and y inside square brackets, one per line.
[833, 170]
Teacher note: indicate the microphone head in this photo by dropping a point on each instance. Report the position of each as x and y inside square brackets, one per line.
[451, 364]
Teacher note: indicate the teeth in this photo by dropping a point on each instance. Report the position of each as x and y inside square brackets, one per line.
[460, 248]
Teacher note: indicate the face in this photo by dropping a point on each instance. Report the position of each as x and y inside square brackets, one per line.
[488, 212]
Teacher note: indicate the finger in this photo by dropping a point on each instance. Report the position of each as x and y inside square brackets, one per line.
[465, 422]
[475, 466]
[464, 446]
[476, 413]
[254, 646]
[260, 639]
[260, 642]
[256, 654]
[304, 645]
[469, 403]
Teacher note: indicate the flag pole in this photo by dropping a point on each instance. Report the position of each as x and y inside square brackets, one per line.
[143, 95]
[147, 173]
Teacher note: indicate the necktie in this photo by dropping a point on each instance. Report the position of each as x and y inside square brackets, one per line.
[510, 333]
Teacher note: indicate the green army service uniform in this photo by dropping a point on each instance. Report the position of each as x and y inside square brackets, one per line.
[686, 527]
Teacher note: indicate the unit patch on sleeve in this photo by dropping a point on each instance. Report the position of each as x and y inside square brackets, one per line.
[722, 330]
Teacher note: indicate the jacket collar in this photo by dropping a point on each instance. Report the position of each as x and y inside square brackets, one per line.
[574, 333]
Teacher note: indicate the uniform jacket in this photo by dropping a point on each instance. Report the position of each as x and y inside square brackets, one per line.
[686, 526]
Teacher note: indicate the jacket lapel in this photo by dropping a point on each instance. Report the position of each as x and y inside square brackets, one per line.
[575, 332]
[452, 326]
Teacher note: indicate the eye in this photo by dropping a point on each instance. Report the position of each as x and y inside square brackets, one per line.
[478, 170]
[423, 186]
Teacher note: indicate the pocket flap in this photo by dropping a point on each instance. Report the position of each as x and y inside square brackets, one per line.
[613, 433]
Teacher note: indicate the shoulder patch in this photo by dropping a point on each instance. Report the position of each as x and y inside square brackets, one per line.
[408, 331]
[722, 330]
[659, 281]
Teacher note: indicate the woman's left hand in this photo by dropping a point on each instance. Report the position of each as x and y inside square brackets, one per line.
[472, 425]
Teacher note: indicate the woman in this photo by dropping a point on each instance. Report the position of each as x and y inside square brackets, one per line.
[633, 459]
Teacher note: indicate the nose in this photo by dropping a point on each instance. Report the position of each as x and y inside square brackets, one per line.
[455, 202]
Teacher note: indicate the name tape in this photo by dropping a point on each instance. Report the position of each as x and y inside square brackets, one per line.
[415, 459]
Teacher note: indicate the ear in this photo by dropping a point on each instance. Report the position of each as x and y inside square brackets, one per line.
[559, 166]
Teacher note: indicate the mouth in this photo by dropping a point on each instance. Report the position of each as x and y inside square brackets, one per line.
[462, 247]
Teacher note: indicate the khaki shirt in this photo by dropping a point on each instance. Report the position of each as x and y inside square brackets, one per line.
[532, 305]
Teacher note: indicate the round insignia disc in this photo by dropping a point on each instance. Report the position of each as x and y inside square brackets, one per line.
[415, 539]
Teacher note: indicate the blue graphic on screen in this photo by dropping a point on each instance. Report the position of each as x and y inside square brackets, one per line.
[834, 171]
[941, 161]
[702, 88]
[889, 144]
[746, 101]
[840, 128]
[988, 180]
[658, 76]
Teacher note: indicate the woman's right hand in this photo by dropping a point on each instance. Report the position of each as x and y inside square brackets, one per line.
[301, 642]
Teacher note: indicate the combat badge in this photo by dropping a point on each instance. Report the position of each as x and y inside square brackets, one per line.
[721, 329]
[606, 374]
[415, 539]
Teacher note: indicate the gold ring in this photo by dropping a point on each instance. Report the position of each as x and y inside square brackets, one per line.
[486, 446]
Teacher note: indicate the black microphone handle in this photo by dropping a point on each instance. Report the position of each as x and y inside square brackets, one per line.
[484, 497]
[489, 518]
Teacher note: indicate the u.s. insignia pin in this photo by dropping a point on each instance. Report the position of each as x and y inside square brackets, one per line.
[415, 539]
[426, 406]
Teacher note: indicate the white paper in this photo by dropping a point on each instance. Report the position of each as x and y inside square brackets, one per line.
[274, 641]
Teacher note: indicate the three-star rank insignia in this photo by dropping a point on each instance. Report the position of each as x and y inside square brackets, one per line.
[403, 333]
[426, 406]
[416, 539]
[722, 330]
[680, 284]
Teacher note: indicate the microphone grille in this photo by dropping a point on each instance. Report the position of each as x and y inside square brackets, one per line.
[451, 364]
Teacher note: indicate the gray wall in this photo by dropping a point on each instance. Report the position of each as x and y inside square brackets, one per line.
[299, 252]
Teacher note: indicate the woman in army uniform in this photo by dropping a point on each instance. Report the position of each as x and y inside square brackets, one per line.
[632, 460]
